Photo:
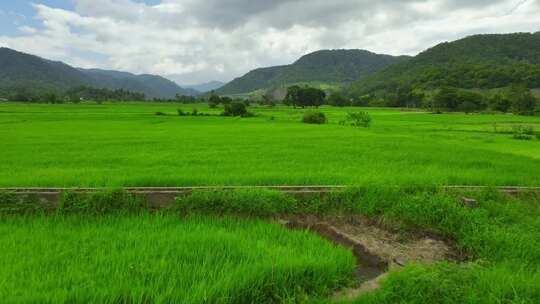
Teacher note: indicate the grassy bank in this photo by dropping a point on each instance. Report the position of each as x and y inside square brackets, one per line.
[127, 145]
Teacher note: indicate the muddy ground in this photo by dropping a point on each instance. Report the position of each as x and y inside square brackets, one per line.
[378, 249]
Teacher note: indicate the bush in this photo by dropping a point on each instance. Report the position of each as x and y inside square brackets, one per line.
[194, 112]
[181, 112]
[522, 132]
[160, 114]
[358, 119]
[314, 118]
[236, 109]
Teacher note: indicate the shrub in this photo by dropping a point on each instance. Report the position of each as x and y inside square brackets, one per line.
[314, 118]
[235, 109]
[522, 132]
[358, 119]
[160, 114]
[194, 112]
[181, 112]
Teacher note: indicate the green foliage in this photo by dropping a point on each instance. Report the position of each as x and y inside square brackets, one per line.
[337, 99]
[251, 202]
[311, 117]
[11, 203]
[95, 94]
[481, 61]
[28, 76]
[358, 119]
[522, 100]
[187, 99]
[236, 109]
[304, 97]
[522, 132]
[452, 99]
[328, 66]
[100, 203]
[500, 102]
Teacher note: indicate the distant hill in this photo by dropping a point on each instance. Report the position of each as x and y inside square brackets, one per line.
[23, 70]
[327, 66]
[205, 87]
[480, 61]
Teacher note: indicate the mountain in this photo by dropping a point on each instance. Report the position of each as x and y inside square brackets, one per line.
[479, 61]
[327, 66]
[24, 70]
[205, 87]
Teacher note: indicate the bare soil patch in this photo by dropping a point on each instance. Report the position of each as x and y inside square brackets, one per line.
[377, 249]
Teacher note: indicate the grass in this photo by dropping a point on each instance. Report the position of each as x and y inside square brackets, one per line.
[162, 258]
[127, 145]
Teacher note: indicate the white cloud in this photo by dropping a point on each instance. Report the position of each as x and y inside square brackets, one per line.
[200, 40]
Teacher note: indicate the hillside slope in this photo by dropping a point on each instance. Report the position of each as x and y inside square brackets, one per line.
[205, 87]
[25, 70]
[480, 61]
[330, 66]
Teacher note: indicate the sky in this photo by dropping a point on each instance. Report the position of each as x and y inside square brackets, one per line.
[196, 41]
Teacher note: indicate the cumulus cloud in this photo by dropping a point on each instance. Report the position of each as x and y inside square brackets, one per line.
[195, 41]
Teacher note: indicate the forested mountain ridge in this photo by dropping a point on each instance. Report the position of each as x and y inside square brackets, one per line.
[328, 66]
[21, 70]
[479, 61]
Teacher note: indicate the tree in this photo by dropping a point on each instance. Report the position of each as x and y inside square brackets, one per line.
[312, 97]
[304, 97]
[445, 98]
[522, 100]
[235, 109]
[500, 102]
[468, 101]
[226, 100]
[338, 100]
[292, 97]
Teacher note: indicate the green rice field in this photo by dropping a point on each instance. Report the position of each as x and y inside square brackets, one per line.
[230, 246]
[128, 145]
[164, 259]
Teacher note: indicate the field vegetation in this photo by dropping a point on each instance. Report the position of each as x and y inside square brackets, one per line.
[128, 145]
[224, 247]
[147, 258]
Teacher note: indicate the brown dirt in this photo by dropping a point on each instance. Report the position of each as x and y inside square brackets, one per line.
[377, 249]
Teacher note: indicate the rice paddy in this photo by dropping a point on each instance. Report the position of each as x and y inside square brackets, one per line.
[128, 145]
